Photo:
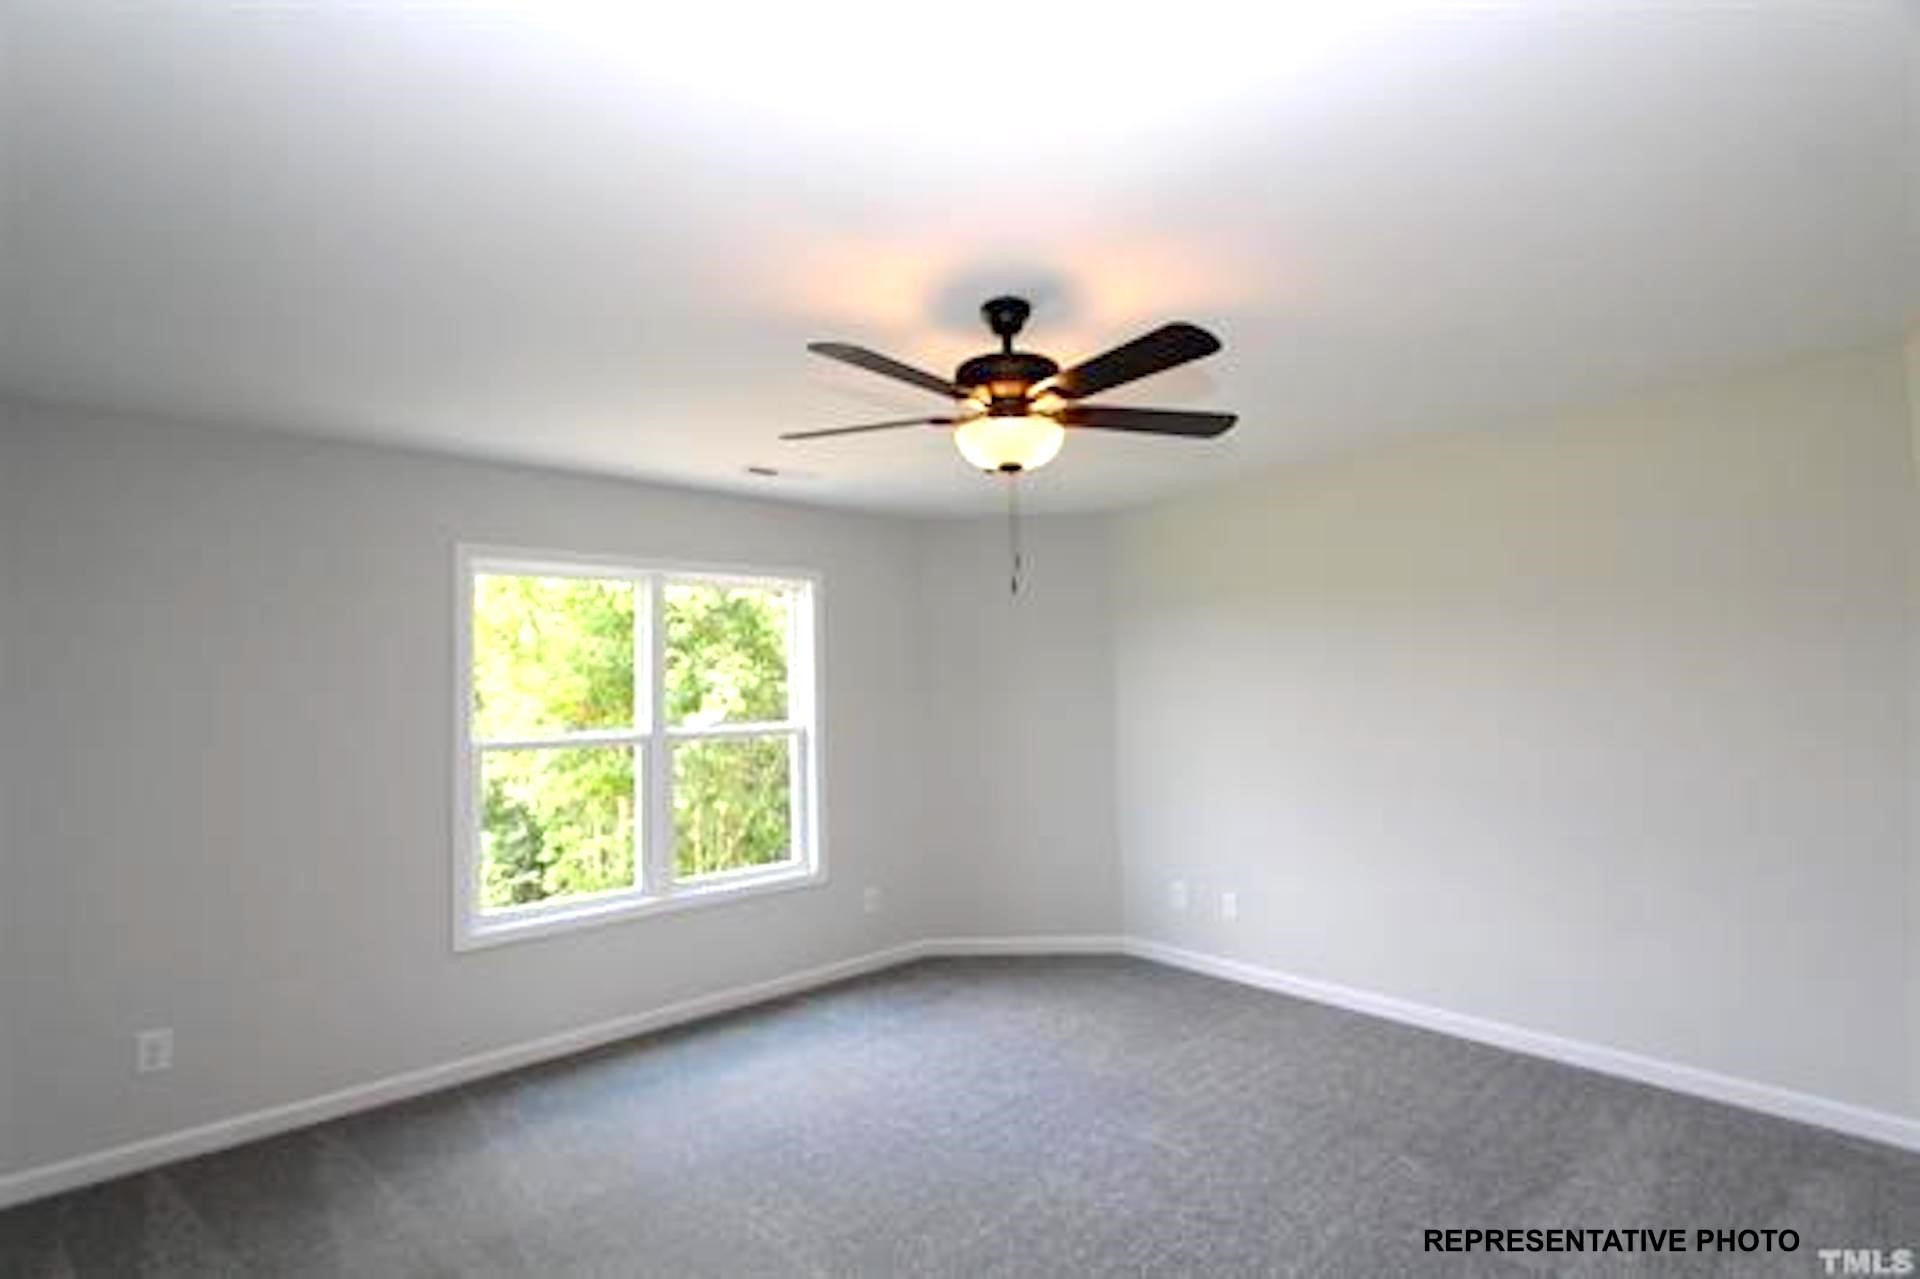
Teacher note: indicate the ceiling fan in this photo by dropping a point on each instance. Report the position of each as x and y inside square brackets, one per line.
[1013, 408]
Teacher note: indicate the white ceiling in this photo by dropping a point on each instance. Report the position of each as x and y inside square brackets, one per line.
[597, 235]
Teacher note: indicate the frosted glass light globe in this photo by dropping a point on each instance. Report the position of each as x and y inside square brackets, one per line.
[1009, 443]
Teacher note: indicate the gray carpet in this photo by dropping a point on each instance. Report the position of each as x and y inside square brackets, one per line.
[992, 1117]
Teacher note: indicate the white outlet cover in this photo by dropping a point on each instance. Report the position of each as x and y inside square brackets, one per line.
[870, 901]
[1177, 894]
[1229, 905]
[153, 1050]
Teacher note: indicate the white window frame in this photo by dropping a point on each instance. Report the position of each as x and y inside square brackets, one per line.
[652, 740]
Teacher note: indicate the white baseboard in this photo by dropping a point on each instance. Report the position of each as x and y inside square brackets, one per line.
[137, 1156]
[151, 1152]
[1784, 1103]
[1054, 944]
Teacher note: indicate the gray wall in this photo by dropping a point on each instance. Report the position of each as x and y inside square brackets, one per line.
[1912, 354]
[230, 656]
[1598, 729]
[1020, 701]
[12, 776]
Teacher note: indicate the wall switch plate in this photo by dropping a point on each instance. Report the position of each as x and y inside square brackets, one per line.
[1177, 894]
[153, 1050]
[870, 901]
[1229, 905]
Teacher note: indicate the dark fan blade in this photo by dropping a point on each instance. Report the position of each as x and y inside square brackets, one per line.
[1112, 417]
[872, 426]
[1156, 352]
[874, 362]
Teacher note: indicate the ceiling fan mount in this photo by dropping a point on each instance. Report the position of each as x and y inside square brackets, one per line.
[1013, 408]
[1006, 316]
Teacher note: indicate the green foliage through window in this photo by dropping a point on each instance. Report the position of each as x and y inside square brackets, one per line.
[551, 655]
[726, 654]
[731, 804]
[555, 656]
[557, 822]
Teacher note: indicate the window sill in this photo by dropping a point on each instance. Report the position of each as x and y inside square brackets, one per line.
[733, 886]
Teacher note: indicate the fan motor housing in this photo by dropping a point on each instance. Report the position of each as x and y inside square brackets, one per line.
[1005, 377]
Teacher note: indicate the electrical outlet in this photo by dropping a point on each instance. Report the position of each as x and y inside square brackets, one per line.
[153, 1050]
[1229, 905]
[1177, 894]
[870, 901]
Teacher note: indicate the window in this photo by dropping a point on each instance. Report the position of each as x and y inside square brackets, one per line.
[633, 738]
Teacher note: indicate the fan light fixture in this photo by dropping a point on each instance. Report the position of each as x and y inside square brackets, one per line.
[1009, 444]
[1013, 408]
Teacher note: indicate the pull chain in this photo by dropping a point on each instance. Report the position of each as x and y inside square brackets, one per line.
[1013, 533]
